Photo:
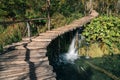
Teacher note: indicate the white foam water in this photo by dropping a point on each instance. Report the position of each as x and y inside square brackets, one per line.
[71, 55]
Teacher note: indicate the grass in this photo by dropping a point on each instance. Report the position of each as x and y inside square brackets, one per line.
[9, 35]
[97, 50]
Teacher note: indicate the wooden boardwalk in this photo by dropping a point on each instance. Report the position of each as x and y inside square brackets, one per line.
[29, 61]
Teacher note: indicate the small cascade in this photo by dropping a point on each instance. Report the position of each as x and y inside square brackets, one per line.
[72, 53]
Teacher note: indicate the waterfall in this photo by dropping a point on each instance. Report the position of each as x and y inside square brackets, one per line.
[72, 53]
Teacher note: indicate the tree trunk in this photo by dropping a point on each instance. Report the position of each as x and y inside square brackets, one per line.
[48, 14]
[91, 5]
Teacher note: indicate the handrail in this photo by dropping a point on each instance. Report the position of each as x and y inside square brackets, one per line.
[18, 21]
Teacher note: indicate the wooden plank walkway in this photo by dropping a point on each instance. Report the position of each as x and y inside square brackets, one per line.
[29, 61]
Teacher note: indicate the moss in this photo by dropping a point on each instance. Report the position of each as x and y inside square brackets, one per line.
[1, 48]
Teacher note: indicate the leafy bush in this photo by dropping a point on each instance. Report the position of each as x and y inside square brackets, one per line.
[103, 29]
[59, 20]
[73, 16]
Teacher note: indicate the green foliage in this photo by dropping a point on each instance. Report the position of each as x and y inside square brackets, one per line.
[12, 8]
[35, 8]
[1, 29]
[109, 63]
[1, 48]
[106, 6]
[103, 29]
[21, 9]
[73, 16]
[66, 7]
[9, 35]
[59, 20]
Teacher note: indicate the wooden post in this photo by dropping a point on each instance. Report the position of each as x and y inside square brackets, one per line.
[28, 27]
[48, 14]
[91, 5]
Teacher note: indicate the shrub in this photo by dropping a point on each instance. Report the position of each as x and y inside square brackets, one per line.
[9, 35]
[104, 30]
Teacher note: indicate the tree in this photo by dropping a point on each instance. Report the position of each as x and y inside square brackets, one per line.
[12, 9]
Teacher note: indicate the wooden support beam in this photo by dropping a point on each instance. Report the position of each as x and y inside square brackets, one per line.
[28, 27]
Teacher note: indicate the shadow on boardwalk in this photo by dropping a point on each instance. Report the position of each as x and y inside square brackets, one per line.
[32, 74]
